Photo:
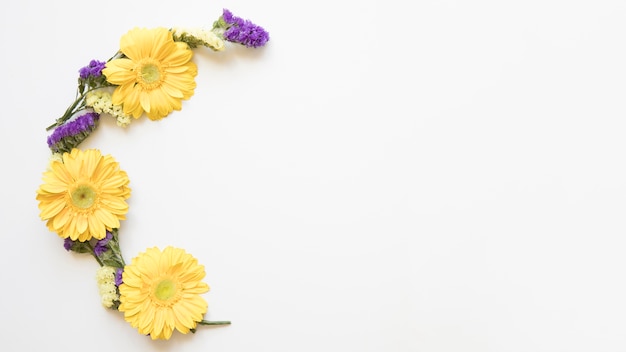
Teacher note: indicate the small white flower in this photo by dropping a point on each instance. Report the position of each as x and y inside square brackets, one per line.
[91, 98]
[105, 276]
[56, 157]
[53, 158]
[123, 120]
[101, 102]
[208, 38]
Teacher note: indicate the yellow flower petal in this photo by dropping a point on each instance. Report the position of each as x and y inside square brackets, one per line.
[76, 192]
[52, 208]
[160, 292]
[153, 59]
[82, 223]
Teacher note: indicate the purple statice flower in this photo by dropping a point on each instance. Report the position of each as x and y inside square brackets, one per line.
[230, 19]
[243, 31]
[67, 244]
[94, 69]
[70, 134]
[118, 277]
[101, 245]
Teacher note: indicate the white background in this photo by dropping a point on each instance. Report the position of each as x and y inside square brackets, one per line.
[383, 176]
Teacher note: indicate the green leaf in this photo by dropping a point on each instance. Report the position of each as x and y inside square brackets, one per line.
[81, 247]
[114, 262]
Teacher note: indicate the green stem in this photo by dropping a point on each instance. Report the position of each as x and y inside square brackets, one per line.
[206, 322]
[118, 254]
[69, 112]
[93, 252]
[117, 55]
[114, 245]
[80, 98]
[77, 105]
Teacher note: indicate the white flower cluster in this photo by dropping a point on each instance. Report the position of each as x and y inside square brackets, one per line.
[100, 101]
[208, 38]
[105, 276]
[55, 157]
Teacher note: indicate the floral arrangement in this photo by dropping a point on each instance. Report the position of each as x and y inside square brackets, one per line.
[84, 192]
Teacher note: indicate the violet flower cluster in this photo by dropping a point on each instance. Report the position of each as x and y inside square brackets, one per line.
[90, 77]
[94, 69]
[106, 251]
[118, 277]
[71, 134]
[68, 244]
[99, 248]
[238, 30]
[101, 245]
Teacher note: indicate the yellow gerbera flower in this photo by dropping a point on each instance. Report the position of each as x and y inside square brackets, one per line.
[161, 291]
[155, 76]
[84, 195]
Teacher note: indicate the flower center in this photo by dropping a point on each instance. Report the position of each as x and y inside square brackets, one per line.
[165, 290]
[150, 73]
[83, 197]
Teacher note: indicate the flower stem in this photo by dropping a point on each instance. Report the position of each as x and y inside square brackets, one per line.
[69, 112]
[93, 252]
[78, 105]
[206, 322]
[114, 245]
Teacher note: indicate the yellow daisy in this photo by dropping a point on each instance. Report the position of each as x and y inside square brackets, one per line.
[155, 75]
[161, 291]
[84, 195]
